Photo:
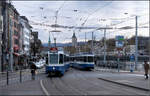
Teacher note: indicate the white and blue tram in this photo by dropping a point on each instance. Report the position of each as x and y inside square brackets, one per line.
[57, 63]
[83, 61]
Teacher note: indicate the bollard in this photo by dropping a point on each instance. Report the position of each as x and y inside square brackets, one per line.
[7, 78]
[20, 76]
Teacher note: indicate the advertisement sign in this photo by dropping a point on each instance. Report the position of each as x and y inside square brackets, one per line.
[132, 58]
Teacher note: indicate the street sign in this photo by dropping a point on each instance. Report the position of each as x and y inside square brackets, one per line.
[119, 38]
[119, 41]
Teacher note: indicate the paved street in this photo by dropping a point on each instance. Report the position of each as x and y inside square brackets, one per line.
[77, 82]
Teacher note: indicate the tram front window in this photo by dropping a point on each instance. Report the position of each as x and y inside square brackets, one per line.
[53, 58]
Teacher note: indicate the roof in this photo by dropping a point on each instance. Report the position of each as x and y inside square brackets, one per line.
[24, 17]
[74, 36]
[13, 8]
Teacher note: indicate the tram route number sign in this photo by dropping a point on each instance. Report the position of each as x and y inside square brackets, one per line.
[53, 49]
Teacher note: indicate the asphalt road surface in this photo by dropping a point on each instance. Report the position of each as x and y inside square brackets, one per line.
[79, 82]
[74, 82]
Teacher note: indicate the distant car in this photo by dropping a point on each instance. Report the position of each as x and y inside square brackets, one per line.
[40, 63]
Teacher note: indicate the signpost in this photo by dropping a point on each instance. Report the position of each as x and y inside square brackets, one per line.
[119, 46]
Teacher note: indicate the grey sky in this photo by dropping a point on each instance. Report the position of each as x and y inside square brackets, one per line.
[112, 11]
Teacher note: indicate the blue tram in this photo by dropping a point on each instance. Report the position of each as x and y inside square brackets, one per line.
[83, 61]
[57, 63]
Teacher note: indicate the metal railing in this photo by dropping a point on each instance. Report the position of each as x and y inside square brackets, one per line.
[123, 66]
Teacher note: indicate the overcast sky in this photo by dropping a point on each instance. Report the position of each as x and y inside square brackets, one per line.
[91, 13]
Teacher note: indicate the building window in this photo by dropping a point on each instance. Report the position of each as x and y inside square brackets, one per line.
[16, 41]
[1, 23]
[15, 33]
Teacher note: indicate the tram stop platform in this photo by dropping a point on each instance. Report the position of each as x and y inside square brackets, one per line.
[130, 79]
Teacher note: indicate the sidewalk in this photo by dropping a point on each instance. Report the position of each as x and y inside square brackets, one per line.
[15, 76]
[134, 80]
[28, 87]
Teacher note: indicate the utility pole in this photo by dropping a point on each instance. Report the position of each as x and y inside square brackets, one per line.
[136, 43]
[1, 32]
[85, 42]
[55, 42]
[49, 49]
[92, 42]
[85, 37]
[105, 47]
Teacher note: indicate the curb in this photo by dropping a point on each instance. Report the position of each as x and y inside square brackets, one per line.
[112, 71]
[144, 89]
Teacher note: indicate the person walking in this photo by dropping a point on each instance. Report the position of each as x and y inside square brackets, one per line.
[146, 68]
[33, 69]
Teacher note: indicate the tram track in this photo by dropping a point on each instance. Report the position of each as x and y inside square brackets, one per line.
[61, 86]
[74, 89]
[78, 82]
[56, 85]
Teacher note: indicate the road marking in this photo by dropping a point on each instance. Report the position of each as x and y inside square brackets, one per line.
[43, 88]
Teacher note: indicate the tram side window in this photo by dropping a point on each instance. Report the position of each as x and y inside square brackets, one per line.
[47, 59]
[85, 59]
[61, 59]
[90, 59]
[81, 59]
[65, 59]
[78, 58]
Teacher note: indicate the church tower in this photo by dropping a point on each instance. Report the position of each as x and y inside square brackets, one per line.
[74, 40]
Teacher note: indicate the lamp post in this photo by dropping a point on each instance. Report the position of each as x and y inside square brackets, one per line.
[105, 47]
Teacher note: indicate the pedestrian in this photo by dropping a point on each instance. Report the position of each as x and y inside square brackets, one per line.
[146, 68]
[33, 69]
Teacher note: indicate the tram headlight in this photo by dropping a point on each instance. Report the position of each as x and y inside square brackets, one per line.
[53, 68]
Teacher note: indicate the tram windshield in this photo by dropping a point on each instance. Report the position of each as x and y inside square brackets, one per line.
[53, 58]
